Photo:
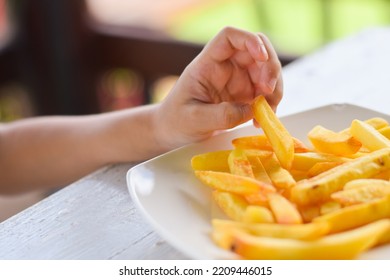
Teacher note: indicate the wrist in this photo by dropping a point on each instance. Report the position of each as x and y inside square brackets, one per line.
[163, 134]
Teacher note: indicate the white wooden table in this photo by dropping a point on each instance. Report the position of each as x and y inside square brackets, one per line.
[95, 217]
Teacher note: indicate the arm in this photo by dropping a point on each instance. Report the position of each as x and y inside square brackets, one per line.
[49, 152]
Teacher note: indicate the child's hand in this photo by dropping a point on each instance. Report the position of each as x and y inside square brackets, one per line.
[215, 91]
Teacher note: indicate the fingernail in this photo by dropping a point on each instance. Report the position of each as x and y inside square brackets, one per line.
[264, 52]
[257, 50]
[272, 84]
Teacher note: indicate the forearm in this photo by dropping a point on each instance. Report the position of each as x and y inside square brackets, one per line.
[133, 135]
[51, 152]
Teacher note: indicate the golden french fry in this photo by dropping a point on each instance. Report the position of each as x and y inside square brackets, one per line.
[233, 183]
[284, 211]
[255, 157]
[298, 175]
[368, 136]
[376, 189]
[361, 153]
[319, 188]
[385, 131]
[223, 232]
[281, 141]
[308, 213]
[356, 215]
[214, 161]
[328, 141]
[239, 163]
[384, 175]
[260, 142]
[329, 207]
[375, 122]
[305, 161]
[345, 245]
[299, 146]
[258, 214]
[258, 170]
[358, 183]
[308, 231]
[257, 199]
[385, 238]
[321, 167]
[256, 142]
[231, 204]
[280, 177]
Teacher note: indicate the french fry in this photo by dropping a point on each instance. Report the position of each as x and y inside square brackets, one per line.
[239, 163]
[362, 194]
[233, 183]
[231, 204]
[345, 245]
[308, 231]
[358, 183]
[330, 142]
[385, 131]
[214, 161]
[256, 142]
[362, 152]
[299, 175]
[257, 199]
[305, 161]
[284, 211]
[222, 238]
[279, 176]
[376, 122]
[384, 175]
[321, 167]
[369, 136]
[385, 238]
[281, 141]
[308, 213]
[255, 157]
[260, 142]
[356, 215]
[319, 188]
[257, 214]
[259, 171]
[300, 147]
[329, 207]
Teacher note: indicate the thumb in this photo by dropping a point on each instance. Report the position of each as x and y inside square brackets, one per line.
[225, 115]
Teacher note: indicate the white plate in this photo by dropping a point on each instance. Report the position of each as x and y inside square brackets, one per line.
[180, 207]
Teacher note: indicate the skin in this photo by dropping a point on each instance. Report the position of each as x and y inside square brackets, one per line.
[213, 93]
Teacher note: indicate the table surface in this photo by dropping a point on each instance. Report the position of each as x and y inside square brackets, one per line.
[95, 218]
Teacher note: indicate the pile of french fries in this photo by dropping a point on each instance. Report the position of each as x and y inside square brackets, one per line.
[286, 200]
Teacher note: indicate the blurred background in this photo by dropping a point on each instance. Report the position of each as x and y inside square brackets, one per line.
[88, 56]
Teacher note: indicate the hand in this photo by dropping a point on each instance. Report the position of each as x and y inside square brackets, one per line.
[217, 88]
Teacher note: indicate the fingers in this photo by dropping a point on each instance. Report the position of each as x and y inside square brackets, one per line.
[264, 75]
[275, 97]
[230, 40]
[223, 115]
[239, 66]
[270, 71]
